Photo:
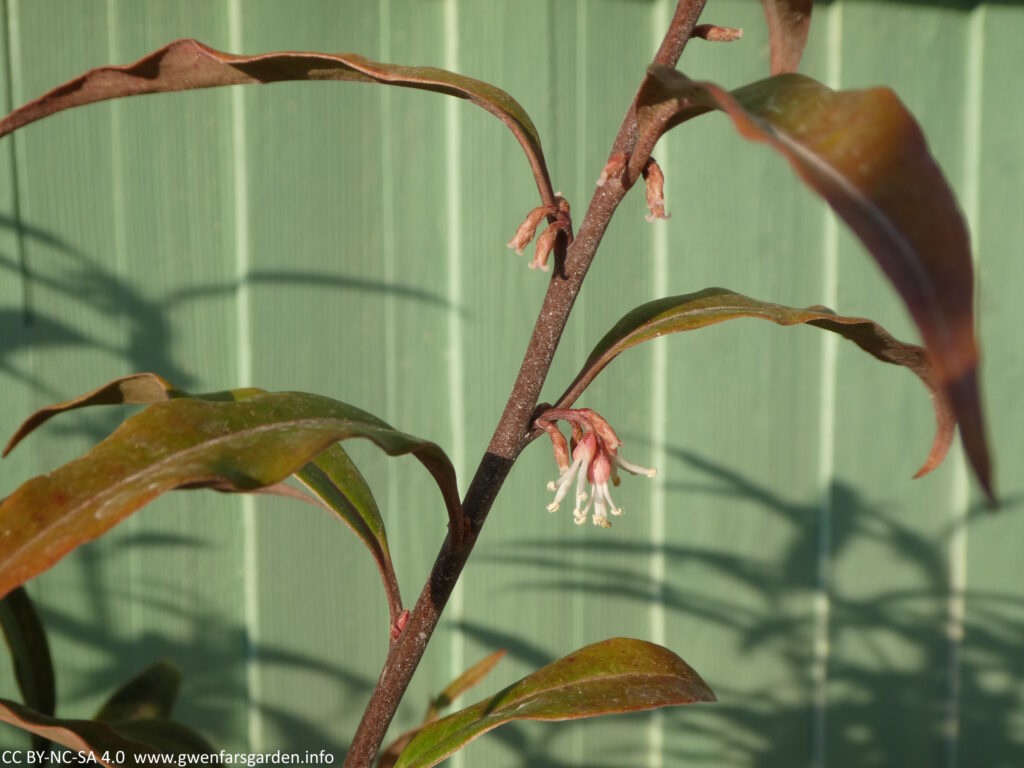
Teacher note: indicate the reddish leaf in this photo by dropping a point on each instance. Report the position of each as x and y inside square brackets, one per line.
[456, 688]
[865, 155]
[789, 21]
[138, 389]
[331, 476]
[143, 737]
[606, 678]
[241, 446]
[184, 65]
[715, 305]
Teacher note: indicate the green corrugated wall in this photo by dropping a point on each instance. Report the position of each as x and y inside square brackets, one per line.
[349, 240]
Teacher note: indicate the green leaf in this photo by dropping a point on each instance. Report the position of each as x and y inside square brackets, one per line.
[30, 654]
[231, 446]
[715, 305]
[864, 153]
[334, 478]
[331, 476]
[187, 64]
[456, 688]
[610, 677]
[149, 695]
[133, 738]
[789, 22]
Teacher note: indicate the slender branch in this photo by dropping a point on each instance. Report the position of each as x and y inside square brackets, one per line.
[513, 432]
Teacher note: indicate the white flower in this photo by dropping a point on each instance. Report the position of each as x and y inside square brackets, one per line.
[595, 460]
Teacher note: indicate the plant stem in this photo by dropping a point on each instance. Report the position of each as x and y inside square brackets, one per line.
[513, 431]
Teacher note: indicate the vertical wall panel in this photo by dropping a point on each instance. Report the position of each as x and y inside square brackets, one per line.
[416, 244]
[991, 704]
[318, 293]
[172, 179]
[888, 667]
[742, 433]
[505, 606]
[74, 332]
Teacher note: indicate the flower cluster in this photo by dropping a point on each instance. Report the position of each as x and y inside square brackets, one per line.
[594, 459]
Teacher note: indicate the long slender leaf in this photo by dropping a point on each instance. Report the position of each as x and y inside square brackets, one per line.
[715, 305]
[864, 153]
[610, 677]
[187, 64]
[471, 677]
[150, 695]
[334, 478]
[331, 476]
[30, 654]
[239, 446]
[143, 737]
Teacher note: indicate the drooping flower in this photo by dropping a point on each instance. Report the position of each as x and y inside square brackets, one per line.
[560, 222]
[595, 460]
[654, 181]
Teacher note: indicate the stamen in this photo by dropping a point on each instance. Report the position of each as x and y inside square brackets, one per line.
[635, 469]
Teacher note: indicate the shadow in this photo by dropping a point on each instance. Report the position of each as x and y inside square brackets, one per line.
[142, 336]
[316, 280]
[212, 654]
[891, 697]
[144, 333]
[517, 647]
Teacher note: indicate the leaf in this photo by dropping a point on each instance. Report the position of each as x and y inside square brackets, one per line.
[239, 446]
[137, 389]
[863, 152]
[456, 688]
[332, 476]
[149, 695]
[187, 64]
[610, 677]
[133, 738]
[789, 22]
[715, 305]
[30, 654]
[471, 677]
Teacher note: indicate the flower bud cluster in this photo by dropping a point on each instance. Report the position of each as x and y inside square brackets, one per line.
[546, 242]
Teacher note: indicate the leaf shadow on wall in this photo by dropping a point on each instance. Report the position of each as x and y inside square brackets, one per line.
[887, 693]
[212, 651]
[58, 274]
[61, 287]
